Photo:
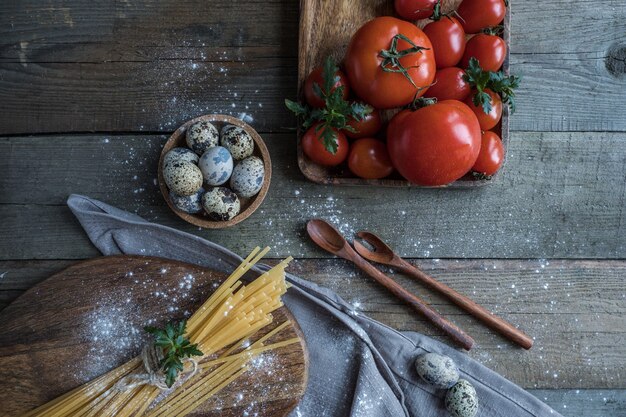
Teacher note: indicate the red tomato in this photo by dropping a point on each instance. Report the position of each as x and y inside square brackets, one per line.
[487, 120]
[414, 9]
[313, 147]
[434, 145]
[448, 39]
[364, 63]
[476, 15]
[489, 50]
[315, 77]
[368, 126]
[369, 159]
[449, 85]
[491, 154]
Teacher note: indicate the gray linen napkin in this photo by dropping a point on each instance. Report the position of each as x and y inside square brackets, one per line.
[358, 366]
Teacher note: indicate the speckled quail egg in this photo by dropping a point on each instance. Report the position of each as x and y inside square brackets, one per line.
[461, 399]
[180, 154]
[238, 142]
[220, 204]
[182, 178]
[438, 370]
[216, 165]
[191, 204]
[201, 136]
[247, 178]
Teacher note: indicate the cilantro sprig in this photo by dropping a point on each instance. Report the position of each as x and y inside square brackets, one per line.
[175, 347]
[336, 112]
[498, 82]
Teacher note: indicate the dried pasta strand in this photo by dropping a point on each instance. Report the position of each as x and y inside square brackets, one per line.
[230, 316]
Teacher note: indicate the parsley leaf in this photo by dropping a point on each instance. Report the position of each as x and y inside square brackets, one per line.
[175, 347]
[336, 112]
[498, 82]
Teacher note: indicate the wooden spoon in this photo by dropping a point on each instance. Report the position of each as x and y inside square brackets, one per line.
[383, 254]
[329, 239]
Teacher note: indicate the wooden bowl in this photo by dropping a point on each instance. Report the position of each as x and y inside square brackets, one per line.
[248, 205]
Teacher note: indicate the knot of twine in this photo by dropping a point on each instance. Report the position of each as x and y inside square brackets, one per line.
[151, 356]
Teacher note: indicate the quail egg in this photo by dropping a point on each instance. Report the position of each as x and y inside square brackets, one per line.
[238, 142]
[461, 399]
[191, 204]
[247, 178]
[180, 154]
[182, 178]
[201, 136]
[216, 165]
[220, 204]
[438, 370]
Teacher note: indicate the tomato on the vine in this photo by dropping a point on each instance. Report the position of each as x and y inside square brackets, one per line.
[491, 154]
[389, 62]
[489, 50]
[476, 15]
[314, 147]
[369, 159]
[368, 126]
[448, 39]
[487, 120]
[436, 144]
[414, 9]
[316, 77]
[449, 84]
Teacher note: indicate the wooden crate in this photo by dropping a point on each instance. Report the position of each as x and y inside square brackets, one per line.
[326, 27]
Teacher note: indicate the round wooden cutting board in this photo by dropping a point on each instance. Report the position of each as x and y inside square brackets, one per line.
[89, 318]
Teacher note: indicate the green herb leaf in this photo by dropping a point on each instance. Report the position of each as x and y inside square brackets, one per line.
[296, 107]
[504, 84]
[335, 114]
[175, 346]
[329, 76]
[329, 138]
[498, 82]
[360, 110]
[475, 76]
[484, 100]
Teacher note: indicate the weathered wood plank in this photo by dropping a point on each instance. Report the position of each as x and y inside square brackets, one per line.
[560, 195]
[574, 309]
[585, 403]
[568, 92]
[129, 96]
[150, 66]
[84, 31]
[143, 66]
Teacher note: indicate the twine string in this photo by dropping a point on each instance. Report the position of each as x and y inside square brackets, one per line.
[151, 356]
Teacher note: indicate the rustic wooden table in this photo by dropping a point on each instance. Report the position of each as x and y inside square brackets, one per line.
[91, 90]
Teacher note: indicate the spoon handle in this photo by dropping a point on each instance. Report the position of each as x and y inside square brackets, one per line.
[488, 318]
[418, 304]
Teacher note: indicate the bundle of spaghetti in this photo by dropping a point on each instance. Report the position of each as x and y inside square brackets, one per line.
[224, 322]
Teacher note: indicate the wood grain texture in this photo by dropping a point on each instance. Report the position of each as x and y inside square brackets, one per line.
[585, 403]
[129, 66]
[326, 28]
[574, 309]
[561, 195]
[88, 318]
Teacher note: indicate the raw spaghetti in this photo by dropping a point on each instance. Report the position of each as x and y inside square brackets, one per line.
[231, 315]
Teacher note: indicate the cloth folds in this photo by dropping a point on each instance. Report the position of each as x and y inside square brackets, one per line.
[358, 366]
